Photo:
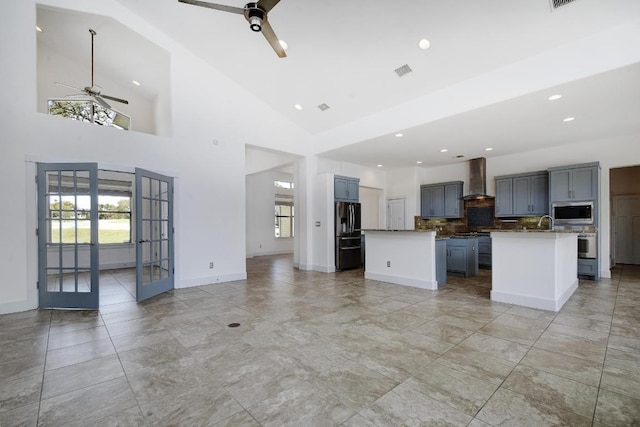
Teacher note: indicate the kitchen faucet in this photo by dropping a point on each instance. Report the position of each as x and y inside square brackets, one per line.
[550, 221]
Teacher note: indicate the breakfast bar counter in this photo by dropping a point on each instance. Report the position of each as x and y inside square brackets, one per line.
[534, 268]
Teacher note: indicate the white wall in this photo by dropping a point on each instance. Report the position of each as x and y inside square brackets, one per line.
[209, 178]
[261, 193]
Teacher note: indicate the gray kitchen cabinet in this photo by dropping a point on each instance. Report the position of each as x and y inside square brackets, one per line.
[441, 261]
[462, 256]
[588, 267]
[504, 196]
[484, 252]
[579, 182]
[346, 189]
[522, 194]
[442, 200]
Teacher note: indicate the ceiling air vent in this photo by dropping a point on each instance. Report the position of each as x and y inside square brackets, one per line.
[555, 4]
[323, 107]
[404, 70]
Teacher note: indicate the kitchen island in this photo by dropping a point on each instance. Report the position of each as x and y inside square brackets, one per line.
[404, 257]
[534, 268]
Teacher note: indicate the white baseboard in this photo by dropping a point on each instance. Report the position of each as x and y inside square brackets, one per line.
[17, 306]
[406, 281]
[189, 283]
[117, 265]
[535, 302]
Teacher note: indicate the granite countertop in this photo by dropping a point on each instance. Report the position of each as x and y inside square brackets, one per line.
[535, 230]
[403, 231]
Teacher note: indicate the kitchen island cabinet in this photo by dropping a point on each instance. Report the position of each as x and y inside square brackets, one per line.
[534, 268]
[403, 257]
[462, 256]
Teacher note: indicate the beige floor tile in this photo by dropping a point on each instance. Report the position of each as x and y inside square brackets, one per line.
[507, 408]
[316, 349]
[614, 409]
[565, 394]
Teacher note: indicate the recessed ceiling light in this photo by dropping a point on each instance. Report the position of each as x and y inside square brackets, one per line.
[424, 44]
[38, 29]
[488, 149]
[554, 97]
[135, 82]
[444, 150]
[419, 162]
[568, 119]
[298, 107]
[284, 44]
[399, 135]
[379, 166]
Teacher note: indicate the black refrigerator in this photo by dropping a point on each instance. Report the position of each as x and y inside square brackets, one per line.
[347, 231]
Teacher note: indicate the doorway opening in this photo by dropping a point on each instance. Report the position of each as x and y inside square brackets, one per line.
[625, 215]
[91, 221]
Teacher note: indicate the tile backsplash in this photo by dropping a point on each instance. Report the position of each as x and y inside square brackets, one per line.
[458, 225]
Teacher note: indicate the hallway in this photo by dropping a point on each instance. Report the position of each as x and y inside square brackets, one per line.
[325, 349]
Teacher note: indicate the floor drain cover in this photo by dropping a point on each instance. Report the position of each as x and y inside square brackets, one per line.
[233, 325]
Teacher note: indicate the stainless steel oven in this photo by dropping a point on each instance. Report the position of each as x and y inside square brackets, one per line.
[587, 245]
[573, 213]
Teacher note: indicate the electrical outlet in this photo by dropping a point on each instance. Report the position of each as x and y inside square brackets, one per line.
[388, 263]
[260, 245]
[211, 264]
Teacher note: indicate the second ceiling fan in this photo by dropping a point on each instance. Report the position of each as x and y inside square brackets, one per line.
[256, 14]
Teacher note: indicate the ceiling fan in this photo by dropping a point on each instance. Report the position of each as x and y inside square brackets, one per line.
[94, 90]
[256, 14]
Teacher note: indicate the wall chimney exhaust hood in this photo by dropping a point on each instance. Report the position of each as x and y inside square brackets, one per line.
[477, 179]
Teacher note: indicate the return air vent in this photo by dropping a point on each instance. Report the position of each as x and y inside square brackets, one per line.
[323, 107]
[404, 70]
[555, 4]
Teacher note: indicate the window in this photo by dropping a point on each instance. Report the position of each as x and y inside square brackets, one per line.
[89, 111]
[284, 220]
[70, 213]
[114, 219]
[283, 184]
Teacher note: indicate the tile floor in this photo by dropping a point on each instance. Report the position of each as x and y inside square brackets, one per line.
[325, 349]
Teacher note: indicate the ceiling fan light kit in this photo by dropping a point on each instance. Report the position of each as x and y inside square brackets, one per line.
[255, 13]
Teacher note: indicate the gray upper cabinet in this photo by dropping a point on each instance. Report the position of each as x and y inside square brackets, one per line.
[441, 200]
[504, 196]
[578, 182]
[522, 195]
[346, 189]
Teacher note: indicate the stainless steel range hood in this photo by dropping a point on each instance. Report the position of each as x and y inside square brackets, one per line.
[477, 179]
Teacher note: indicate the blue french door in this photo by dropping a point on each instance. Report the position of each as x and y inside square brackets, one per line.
[154, 234]
[68, 235]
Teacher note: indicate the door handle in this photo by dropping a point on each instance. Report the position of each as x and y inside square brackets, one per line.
[143, 241]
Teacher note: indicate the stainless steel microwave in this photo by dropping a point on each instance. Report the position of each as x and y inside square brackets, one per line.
[572, 213]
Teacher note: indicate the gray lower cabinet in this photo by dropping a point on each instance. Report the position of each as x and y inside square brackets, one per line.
[522, 194]
[579, 182]
[441, 261]
[462, 256]
[588, 267]
[484, 252]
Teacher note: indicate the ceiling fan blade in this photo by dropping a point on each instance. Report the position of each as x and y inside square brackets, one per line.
[102, 102]
[113, 98]
[273, 40]
[70, 87]
[222, 7]
[267, 5]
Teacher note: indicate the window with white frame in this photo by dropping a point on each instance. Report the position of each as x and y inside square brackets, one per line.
[284, 209]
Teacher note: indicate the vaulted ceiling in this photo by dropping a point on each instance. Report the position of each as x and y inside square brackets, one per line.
[344, 54]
